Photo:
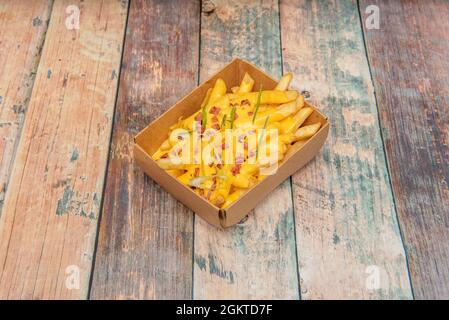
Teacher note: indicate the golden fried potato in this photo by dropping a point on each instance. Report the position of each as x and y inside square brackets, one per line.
[252, 116]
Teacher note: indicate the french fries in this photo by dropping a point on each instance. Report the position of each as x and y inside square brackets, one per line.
[223, 149]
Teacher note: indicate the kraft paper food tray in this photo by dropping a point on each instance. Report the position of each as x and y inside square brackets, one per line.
[150, 138]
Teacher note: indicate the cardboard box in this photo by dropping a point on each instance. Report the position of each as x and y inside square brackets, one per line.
[150, 138]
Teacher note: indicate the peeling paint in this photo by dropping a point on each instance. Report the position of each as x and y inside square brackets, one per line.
[83, 213]
[96, 200]
[367, 156]
[335, 239]
[75, 155]
[200, 261]
[63, 204]
[345, 149]
[214, 268]
[364, 119]
[37, 22]
[18, 109]
[113, 75]
[61, 182]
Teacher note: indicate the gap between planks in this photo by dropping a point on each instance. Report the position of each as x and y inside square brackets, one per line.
[409, 51]
[49, 221]
[345, 219]
[256, 259]
[145, 242]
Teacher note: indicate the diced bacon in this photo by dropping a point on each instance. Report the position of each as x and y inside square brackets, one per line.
[250, 113]
[245, 102]
[214, 110]
[164, 156]
[219, 165]
[197, 172]
[216, 126]
[235, 169]
[236, 116]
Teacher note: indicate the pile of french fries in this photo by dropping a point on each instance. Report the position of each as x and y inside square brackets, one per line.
[250, 114]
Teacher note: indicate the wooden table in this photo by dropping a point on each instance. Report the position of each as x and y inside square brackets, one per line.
[368, 218]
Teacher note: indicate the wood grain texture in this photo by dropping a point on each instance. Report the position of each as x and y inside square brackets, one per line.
[23, 26]
[410, 67]
[347, 231]
[50, 215]
[146, 236]
[256, 259]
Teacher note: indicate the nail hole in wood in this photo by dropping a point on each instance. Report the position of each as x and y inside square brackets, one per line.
[306, 94]
[207, 7]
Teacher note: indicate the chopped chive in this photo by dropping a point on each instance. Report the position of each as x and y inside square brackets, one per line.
[266, 122]
[204, 117]
[261, 136]
[223, 121]
[257, 104]
[232, 116]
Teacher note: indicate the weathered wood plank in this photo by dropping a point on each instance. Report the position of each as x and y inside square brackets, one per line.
[410, 67]
[256, 259]
[347, 231]
[146, 238]
[50, 215]
[22, 32]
